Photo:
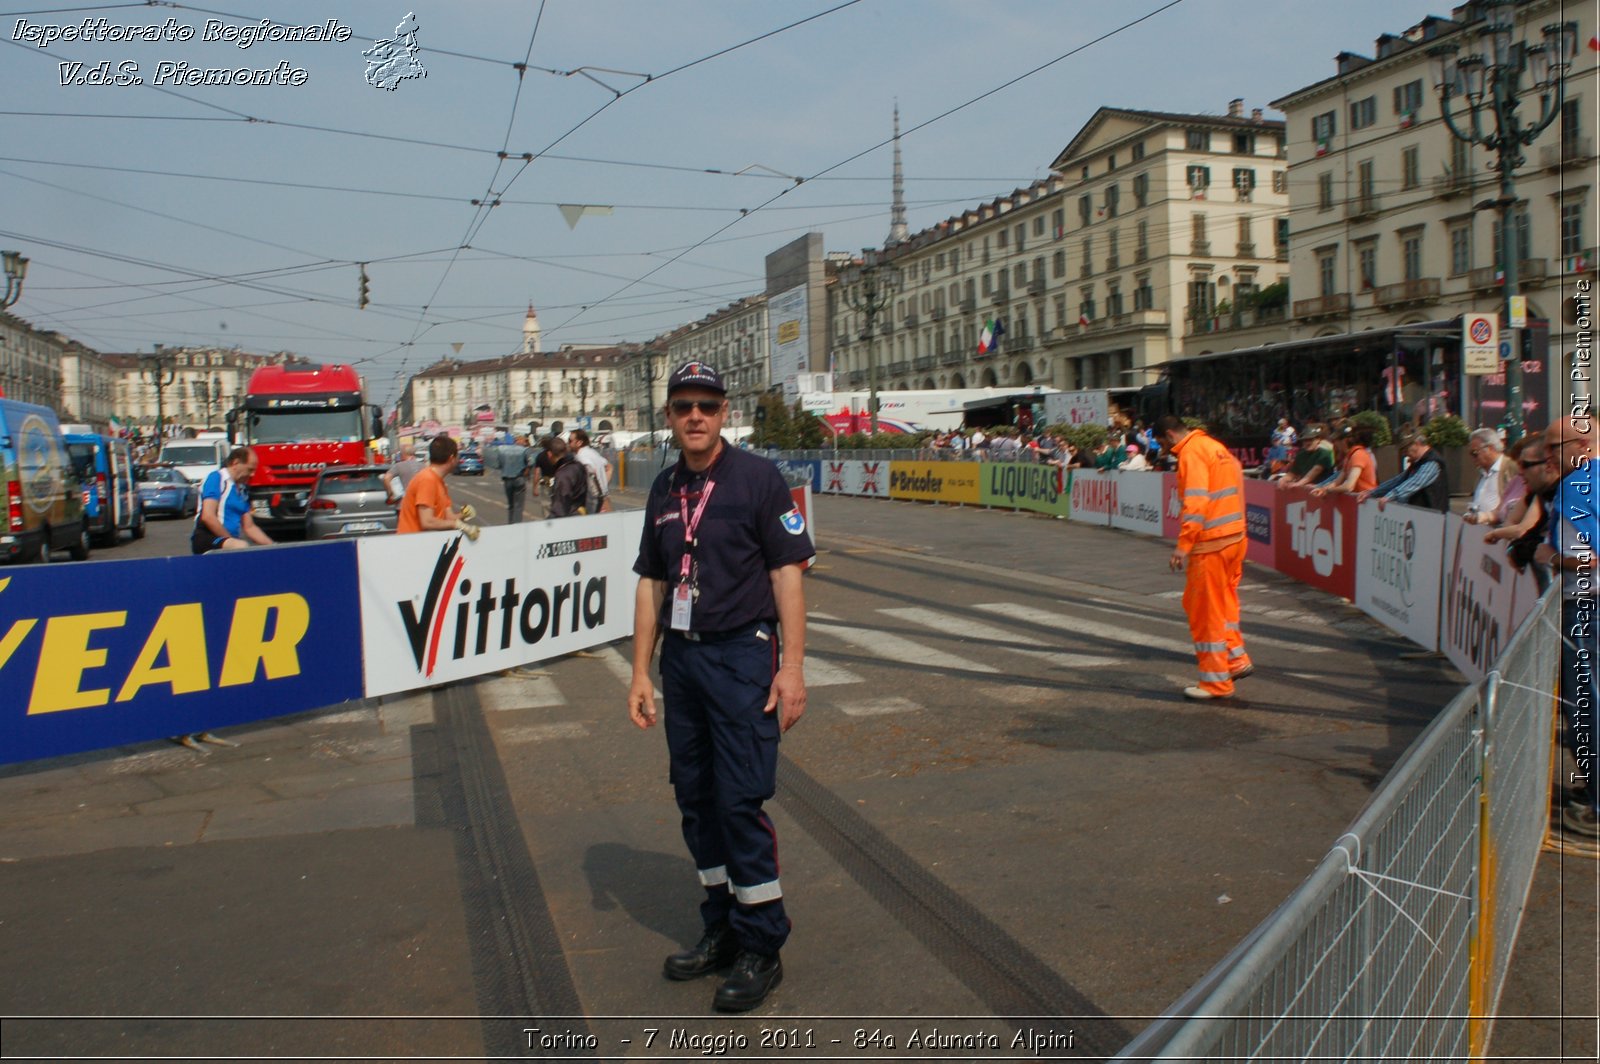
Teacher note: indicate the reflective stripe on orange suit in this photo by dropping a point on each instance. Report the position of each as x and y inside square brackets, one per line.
[1211, 485]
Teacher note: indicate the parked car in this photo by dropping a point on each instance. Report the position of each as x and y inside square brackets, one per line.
[471, 464]
[350, 501]
[44, 498]
[165, 490]
[111, 502]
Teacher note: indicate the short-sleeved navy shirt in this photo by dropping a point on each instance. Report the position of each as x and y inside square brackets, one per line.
[750, 527]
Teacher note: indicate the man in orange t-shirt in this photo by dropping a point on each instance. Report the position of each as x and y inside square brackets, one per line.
[1358, 469]
[426, 506]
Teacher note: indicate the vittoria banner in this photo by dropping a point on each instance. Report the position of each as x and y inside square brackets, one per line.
[437, 607]
[1484, 598]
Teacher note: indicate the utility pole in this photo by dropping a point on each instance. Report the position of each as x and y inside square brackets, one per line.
[162, 374]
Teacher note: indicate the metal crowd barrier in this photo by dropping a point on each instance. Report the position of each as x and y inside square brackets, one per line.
[1397, 945]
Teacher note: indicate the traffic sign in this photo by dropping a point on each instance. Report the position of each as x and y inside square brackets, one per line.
[738, 416]
[583, 421]
[1480, 343]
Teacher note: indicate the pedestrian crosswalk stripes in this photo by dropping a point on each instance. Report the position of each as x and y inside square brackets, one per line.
[1010, 642]
[516, 692]
[1064, 621]
[1250, 637]
[893, 647]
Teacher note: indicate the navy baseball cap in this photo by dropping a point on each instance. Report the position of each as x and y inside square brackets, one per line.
[696, 375]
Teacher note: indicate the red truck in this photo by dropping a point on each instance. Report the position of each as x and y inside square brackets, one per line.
[300, 418]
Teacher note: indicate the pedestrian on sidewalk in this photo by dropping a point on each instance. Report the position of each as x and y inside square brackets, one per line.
[427, 506]
[569, 481]
[1574, 534]
[1211, 547]
[723, 582]
[599, 471]
[399, 473]
[513, 461]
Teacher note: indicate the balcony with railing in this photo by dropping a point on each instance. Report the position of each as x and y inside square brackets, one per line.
[858, 377]
[1246, 250]
[1581, 262]
[922, 362]
[898, 368]
[1530, 272]
[952, 358]
[1572, 151]
[1451, 184]
[1001, 294]
[1416, 290]
[912, 320]
[936, 314]
[1322, 306]
[1036, 287]
[1363, 206]
[968, 305]
[1247, 318]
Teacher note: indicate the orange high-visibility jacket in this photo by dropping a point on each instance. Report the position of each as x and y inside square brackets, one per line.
[1211, 483]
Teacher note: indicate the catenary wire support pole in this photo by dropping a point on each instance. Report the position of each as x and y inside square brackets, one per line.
[868, 288]
[1491, 81]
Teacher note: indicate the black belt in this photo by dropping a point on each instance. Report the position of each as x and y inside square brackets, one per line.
[721, 637]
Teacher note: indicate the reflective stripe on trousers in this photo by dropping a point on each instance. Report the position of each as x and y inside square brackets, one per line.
[1211, 601]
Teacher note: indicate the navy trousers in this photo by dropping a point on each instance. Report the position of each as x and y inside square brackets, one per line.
[724, 756]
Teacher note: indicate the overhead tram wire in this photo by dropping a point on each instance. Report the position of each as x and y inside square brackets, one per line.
[845, 162]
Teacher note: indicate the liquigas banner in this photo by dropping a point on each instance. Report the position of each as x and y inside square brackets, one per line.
[119, 652]
[1094, 496]
[1485, 597]
[1138, 502]
[952, 482]
[1399, 550]
[436, 606]
[1024, 486]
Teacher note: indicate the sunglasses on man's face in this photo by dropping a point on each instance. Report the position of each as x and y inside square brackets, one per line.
[708, 407]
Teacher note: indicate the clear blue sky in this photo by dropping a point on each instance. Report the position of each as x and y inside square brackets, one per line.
[161, 214]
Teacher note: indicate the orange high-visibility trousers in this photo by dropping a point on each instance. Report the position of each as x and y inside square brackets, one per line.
[1211, 599]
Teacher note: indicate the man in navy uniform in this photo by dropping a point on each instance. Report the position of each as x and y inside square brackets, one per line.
[720, 566]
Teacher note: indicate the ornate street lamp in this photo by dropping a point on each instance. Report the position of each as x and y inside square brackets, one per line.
[1491, 80]
[868, 288]
[16, 269]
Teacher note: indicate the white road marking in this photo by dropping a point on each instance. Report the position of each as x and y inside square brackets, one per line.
[1035, 648]
[1066, 622]
[820, 672]
[878, 707]
[1250, 639]
[538, 733]
[620, 664]
[893, 647]
[513, 692]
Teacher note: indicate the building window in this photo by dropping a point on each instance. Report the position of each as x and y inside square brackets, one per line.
[1244, 144]
[1202, 298]
[987, 284]
[1038, 269]
[1411, 254]
[1002, 237]
[1019, 274]
[1410, 167]
[1281, 235]
[1038, 225]
[1061, 311]
[1199, 140]
[1141, 190]
[1086, 303]
[1461, 247]
[1327, 272]
[1323, 127]
[1111, 162]
[1519, 231]
[1244, 182]
[1247, 245]
[1113, 299]
[1280, 182]
[1085, 210]
[1088, 257]
[1144, 297]
[1367, 264]
[1408, 101]
[1572, 234]
[1199, 178]
[1571, 131]
[1058, 218]
[1141, 248]
[1138, 151]
[1365, 183]
[1113, 194]
[1198, 225]
[1325, 192]
[1112, 262]
[1460, 160]
[1058, 265]
[1022, 237]
[1363, 113]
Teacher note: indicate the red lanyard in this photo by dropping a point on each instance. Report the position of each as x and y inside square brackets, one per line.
[690, 524]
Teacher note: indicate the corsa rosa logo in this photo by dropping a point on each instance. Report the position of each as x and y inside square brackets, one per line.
[562, 548]
[464, 614]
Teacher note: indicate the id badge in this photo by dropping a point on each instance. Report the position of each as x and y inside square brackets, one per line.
[682, 604]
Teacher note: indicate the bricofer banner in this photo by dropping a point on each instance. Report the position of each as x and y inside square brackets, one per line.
[852, 477]
[436, 606]
[1316, 540]
[1483, 600]
[1399, 550]
[119, 652]
[1024, 486]
[1138, 502]
[1094, 496]
[951, 482]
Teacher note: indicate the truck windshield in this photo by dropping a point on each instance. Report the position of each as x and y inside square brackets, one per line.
[304, 426]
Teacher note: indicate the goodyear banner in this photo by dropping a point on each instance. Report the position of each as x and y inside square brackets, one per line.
[1484, 598]
[1398, 554]
[1025, 486]
[951, 482]
[1094, 496]
[107, 653]
[1137, 502]
[437, 607]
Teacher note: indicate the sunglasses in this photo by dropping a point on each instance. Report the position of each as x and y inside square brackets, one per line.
[708, 407]
[1533, 464]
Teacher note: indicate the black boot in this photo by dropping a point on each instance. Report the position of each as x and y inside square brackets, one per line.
[716, 949]
[754, 976]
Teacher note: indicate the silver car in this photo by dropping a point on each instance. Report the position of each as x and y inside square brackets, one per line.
[350, 501]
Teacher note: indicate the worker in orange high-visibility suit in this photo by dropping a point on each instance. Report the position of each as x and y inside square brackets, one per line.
[1211, 547]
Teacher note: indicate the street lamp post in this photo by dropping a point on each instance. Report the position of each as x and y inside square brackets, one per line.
[16, 269]
[162, 375]
[868, 288]
[1490, 81]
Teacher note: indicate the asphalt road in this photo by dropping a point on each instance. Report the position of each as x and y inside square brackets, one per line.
[998, 806]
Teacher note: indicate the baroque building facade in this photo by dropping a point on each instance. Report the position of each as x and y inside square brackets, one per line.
[519, 388]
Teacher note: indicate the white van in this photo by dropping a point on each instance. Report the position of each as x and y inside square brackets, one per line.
[194, 458]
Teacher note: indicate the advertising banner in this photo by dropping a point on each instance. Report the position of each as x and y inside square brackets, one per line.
[853, 477]
[1172, 506]
[789, 342]
[119, 652]
[1025, 486]
[1094, 496]
[1399, 550]
[1483, 600]
[949, 482]
[1138, 502]
[1316, 540]
[1078, 408]
[798, 471]
[437, 607]
[1260, 500]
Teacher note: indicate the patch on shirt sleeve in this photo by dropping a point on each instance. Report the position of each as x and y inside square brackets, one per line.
[793, 522]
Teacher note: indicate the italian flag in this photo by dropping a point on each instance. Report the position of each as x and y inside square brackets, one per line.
[989, 339]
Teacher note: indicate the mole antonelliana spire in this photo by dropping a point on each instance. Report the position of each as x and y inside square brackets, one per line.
[898, 232]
